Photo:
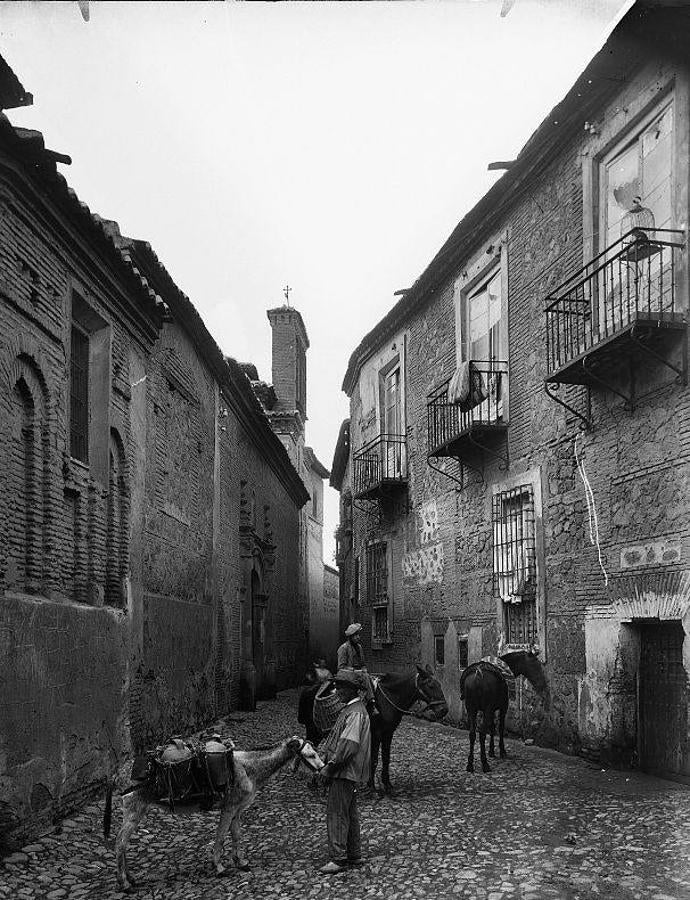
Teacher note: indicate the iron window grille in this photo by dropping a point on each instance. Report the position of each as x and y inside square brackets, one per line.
[79, 395]
[514, 544]
[377, 574]
[515, 568]
[380, 621]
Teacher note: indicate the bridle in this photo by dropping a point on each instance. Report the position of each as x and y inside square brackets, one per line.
[307, 762]
[428, 704]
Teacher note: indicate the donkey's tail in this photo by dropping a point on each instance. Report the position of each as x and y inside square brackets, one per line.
[108, 812]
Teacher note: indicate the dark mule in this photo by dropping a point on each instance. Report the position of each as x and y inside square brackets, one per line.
[395, 694]
[485, 689]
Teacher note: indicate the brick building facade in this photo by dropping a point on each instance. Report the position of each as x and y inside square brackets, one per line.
[150, 518]
[517, 454]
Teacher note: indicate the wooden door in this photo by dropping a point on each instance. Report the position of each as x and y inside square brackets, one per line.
[663, 700]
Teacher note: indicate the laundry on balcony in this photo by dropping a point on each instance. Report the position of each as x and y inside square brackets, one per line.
[467, 387]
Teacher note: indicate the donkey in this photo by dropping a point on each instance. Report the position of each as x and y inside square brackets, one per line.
[485, 690]
[394, 694]
[251, 770]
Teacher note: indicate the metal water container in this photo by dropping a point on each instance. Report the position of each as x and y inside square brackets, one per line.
[175, 751]
[217, 761]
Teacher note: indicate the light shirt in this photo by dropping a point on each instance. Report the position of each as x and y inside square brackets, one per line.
[352, 724]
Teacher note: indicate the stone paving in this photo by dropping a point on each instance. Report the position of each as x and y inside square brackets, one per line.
[541, 825]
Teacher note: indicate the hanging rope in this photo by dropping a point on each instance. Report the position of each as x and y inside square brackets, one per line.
[591, 512]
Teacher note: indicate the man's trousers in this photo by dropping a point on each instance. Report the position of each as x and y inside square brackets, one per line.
[342, 820]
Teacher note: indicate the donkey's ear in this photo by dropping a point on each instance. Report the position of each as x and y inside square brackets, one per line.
[422, 672]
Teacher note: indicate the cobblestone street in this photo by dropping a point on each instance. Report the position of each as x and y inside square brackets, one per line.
[540, 825]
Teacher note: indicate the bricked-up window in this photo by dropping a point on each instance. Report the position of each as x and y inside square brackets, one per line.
[79, 394]
[377, 574]
[514, 559]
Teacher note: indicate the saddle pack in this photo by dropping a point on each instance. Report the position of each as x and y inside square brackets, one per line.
[493, 664]
[187, 770]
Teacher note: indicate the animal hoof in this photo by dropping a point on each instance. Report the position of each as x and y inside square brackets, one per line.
[503, 754]
[470, 767]
[492, 754]
[486, 768]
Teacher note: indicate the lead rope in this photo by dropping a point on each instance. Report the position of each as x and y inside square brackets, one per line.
[406, 712]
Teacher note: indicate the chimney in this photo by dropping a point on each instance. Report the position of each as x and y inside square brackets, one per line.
[289, 359]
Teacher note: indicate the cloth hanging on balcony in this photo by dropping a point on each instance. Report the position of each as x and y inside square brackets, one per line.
[466, 388]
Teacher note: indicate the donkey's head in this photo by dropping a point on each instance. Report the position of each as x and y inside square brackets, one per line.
[430, 690]
[304, 752]
[527, 663]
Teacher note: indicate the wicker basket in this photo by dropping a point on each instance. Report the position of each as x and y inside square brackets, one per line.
[327, 706]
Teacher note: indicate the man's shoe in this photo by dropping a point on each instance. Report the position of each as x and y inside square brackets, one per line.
[331, 868]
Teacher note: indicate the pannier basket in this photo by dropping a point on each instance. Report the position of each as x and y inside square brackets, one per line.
[327, 706]
[188, 770]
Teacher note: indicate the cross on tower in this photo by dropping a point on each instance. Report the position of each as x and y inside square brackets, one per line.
[286, 291]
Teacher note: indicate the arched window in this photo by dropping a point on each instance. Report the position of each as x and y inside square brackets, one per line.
[28, 481]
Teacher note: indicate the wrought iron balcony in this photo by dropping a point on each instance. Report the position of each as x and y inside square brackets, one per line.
[625, 299]
[380, 467]
[455, 429]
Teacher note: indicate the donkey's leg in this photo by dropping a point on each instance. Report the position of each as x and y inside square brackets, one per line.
[134, 807]
[492, 728]
[482, 740]
[227, 814]
[472, 722]
[375, 744]
[240, 861]
[501, 728]
[386, 739]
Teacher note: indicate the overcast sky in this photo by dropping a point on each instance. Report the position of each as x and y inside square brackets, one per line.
[329, 146]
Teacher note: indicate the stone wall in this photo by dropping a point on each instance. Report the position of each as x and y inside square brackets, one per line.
[636, 464]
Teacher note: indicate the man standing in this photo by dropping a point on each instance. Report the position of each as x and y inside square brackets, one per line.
[347, 752]
[351, 656]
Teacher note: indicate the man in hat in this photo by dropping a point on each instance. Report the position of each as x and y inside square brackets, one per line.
[347, 753]
[351, 656]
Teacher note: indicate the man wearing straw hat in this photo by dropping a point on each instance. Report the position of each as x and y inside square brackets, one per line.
[351, 656]
[347, 752]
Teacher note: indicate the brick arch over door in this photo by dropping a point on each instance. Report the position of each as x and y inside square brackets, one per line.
[28, 521]
[117, 523]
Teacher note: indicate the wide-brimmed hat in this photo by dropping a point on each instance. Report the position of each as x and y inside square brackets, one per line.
[349, 677]
[355, 628]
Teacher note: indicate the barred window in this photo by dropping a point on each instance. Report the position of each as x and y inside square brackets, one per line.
[380, 621]
[440, 650]
[79, 395]
[463, 652]
[377, 574]
[515, 570]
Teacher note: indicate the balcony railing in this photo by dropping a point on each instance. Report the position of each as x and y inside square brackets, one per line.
[379, 465]
[449, 422]
[633, 283]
